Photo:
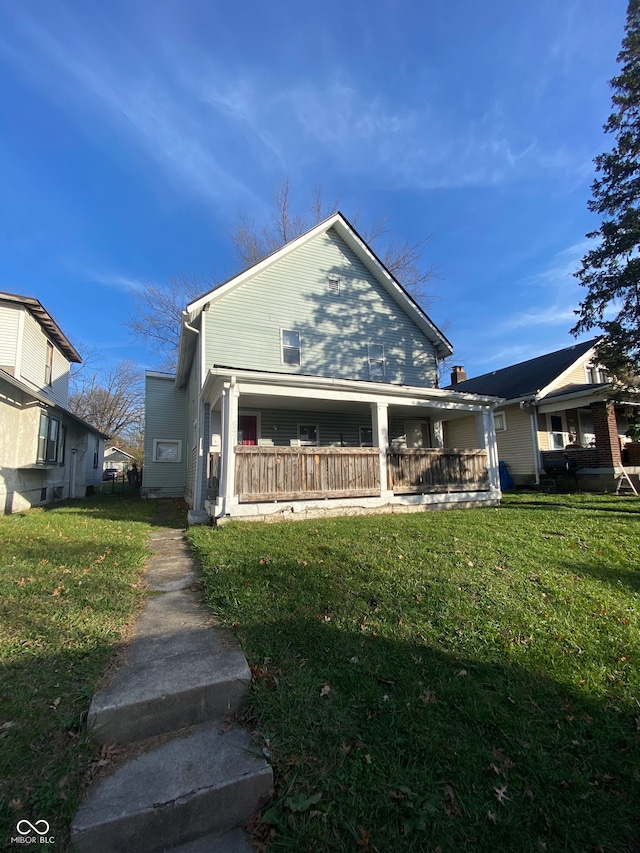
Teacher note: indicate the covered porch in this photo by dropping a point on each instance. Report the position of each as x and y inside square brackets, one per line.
[297, 446]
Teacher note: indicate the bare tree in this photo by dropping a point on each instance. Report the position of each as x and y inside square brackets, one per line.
[110, 400]
[158, 308]
[157, 312]
[402, 258]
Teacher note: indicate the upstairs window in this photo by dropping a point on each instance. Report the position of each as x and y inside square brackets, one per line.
[290, 347]
[48, 368]
[376, 361]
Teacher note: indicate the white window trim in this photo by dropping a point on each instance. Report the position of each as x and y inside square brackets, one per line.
[551, 432]
[500, 417]
[160, 441]
[282, 347]
[372, 361]
[315, 443]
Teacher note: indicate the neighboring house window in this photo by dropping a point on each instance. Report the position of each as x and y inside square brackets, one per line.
[96, 452]
[557, 434]
[366, 436]
[308, 434]
[500, 420]
[48, 368]
[167, 450]
[376, 360]
[597, 374]
[51, 438]
[334, 285]
[290, 346]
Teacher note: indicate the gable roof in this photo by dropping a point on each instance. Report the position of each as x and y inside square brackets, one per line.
[527, 378]
[47, 402]
[362, 251]
[46, 321]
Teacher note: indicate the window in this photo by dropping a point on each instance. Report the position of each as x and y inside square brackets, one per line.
[557, 433]
[48, 368]
[96, 452]
[51, 439]
[597, 374]
[500, 420]
[290, 346]
[376, 360]
[366, 436]
[167, 450]
[308, 434]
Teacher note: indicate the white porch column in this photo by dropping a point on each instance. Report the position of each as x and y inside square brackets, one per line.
[487, 441]
[230, 397]
[380, 431]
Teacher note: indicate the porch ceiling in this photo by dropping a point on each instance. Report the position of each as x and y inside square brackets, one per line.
[418, 411]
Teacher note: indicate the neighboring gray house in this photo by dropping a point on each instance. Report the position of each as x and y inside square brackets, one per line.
[307, 385]
[556, 408]
[46, 452]
[115, 457]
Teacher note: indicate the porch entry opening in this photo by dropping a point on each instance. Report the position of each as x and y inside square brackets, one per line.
[248, 430]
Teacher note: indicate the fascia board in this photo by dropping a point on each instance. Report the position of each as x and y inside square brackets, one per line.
[368, 390]
[585, 358]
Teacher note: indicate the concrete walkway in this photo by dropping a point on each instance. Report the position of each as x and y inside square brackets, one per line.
[189, 787]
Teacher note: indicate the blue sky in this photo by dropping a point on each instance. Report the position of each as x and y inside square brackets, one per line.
[134, 133]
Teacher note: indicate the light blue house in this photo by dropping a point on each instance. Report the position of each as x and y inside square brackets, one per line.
[307, 385]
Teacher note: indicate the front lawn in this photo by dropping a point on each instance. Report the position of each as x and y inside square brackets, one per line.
[69, 584]
[462, 680]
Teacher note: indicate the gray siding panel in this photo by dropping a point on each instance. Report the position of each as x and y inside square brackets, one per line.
[165, 418]
[243, 328]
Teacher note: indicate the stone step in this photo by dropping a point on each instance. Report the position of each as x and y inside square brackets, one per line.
[179, 672]
[185, 790]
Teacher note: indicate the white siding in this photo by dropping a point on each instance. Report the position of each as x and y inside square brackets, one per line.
[515, 445]
[9, 323]
[33, 360]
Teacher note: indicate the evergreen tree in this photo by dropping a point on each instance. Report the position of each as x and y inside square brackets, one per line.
[611, 270]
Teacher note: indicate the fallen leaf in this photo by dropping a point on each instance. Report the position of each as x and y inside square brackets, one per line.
[429, 697]
[56, 702]
[325, 690]
[493, 817]
[16, 805]
[366, 841]
[501, 794]
[462, 673]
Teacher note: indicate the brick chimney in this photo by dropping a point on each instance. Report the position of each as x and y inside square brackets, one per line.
[458, 374]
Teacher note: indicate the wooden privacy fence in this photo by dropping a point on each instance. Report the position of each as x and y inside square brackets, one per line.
[299, 473]
[413, 471]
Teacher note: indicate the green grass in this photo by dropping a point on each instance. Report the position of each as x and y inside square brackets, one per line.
[69, 584]
[462, 680]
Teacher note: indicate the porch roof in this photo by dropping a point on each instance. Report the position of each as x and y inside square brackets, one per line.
[298, 391]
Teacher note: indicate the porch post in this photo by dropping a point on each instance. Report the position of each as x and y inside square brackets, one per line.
[380, 430]
[605, 428]
[487, 440]
[230, 396]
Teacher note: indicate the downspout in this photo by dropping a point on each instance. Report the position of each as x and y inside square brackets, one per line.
[197, 496]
